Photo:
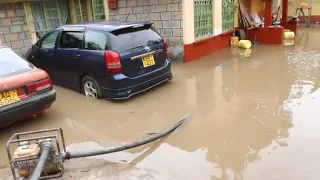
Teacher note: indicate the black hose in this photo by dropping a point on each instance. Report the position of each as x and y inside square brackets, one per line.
[71, 155]
[46, 149]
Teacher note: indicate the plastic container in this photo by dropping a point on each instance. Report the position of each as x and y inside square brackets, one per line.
[245, 52]
[245, 44]
[304, 5]
[234, 41]
[234, 51]
[289, 35]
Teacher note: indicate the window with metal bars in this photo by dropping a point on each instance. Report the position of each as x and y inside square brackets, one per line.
[81, 10]
[98, 9]
[46, 15]
[78, 6]
[227, 15]
[203, 18]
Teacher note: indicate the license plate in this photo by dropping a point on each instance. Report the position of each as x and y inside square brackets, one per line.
[8, 97]
[148, 61]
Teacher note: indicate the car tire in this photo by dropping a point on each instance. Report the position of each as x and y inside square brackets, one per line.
[90, 87]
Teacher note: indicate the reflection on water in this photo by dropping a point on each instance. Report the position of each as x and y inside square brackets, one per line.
[254, 117]
[288, 42]
[248, 114]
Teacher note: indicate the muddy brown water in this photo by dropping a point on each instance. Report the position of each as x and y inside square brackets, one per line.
[255, 116]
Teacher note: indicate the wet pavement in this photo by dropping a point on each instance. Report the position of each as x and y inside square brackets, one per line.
[255, 116]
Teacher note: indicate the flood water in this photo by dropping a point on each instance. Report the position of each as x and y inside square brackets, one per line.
[255, 116]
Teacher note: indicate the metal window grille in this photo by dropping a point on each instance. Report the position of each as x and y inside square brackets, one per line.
[79, 13]
[227, 15]
[98, 9]
[203, 18]
[46, 15]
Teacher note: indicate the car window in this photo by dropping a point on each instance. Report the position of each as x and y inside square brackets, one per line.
[12, 63]
[71, 40]
[131, 38]
[50, 41]
[95, 40]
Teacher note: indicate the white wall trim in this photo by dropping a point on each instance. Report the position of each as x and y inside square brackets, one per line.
[188, 21]
[106, 9]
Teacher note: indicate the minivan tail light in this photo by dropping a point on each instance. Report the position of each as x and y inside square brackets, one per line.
[39, 86]
[167, 48]
[113, 62]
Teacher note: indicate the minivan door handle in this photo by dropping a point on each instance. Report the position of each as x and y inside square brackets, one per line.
[76, 56]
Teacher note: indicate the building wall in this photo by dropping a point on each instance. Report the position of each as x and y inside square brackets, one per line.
[84, 10]
[316, 7]
[293, 4]
[165, 14]
[195, 49]
[315, 4]
[13, 27]
[257, 6]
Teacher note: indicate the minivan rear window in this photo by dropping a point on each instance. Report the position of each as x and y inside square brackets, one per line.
[129, 39]
[12, 64]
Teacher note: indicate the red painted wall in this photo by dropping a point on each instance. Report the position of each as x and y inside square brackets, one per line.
[266, 35]
[315, 18]
[209, 45]
[290, 25]
[206, 46]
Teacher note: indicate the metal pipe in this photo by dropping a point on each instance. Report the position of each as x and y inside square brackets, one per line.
[46, 150]
[34, 138]
[71, 155]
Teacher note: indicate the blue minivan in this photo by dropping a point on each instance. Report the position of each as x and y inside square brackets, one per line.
[104, 59]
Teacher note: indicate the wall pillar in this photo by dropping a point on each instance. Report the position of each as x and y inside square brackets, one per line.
[89, 10]
[106, 9]
[268, 13]
[217, 16]
[32, 28]
[188, 21]
[236, 14]
[285, 5]
[284, 21]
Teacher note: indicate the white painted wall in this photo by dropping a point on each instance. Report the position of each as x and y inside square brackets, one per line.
[188, 19]
[217, 16]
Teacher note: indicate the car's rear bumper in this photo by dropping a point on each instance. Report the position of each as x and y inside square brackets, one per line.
[122, 87]
[26, 107]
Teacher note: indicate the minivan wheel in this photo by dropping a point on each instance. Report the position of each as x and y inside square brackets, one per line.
[91, 88]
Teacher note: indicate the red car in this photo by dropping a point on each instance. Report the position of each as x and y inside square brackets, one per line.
[24, 89]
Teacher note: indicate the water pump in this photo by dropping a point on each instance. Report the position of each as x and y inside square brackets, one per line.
[40, 154]
[25, 157]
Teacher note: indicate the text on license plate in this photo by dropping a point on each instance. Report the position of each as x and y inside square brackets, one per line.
[148, 61]
[8, 97]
